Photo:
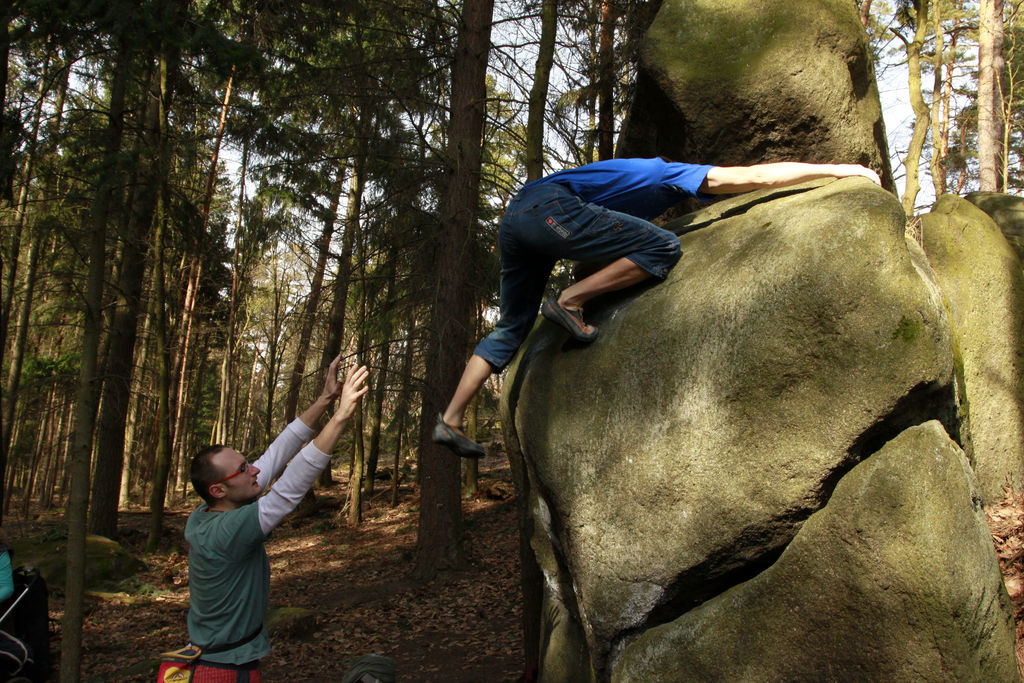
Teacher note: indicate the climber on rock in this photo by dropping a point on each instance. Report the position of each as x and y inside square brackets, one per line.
[597, 213]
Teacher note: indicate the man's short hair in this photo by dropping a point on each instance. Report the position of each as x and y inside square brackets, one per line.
[203, 472]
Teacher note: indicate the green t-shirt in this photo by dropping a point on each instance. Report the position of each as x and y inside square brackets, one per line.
[229, 582]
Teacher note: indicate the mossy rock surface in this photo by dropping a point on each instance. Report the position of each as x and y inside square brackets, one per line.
[895, 579]
[681, 452]
[731, 82]
[107, 564]
[982, 280]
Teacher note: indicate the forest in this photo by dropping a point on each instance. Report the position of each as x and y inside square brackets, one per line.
[203, 203]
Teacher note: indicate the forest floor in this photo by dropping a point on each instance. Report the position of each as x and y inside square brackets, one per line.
[465, 626]
[1006, 519]
[462, 627]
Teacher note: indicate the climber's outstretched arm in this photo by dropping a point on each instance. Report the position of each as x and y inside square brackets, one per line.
[731, 179]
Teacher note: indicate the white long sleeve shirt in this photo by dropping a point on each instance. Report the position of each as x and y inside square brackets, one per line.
[298, 476]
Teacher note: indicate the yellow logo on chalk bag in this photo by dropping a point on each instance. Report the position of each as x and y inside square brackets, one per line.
[175, 675]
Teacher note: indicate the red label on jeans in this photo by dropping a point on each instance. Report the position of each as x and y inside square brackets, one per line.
[556, 227]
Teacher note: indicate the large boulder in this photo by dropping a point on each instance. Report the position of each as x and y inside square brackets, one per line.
[894, 579]
[107, 564]
[731, 82]
[680, 453]
[982, 280]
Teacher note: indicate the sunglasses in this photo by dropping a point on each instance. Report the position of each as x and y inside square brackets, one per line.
[241, 470]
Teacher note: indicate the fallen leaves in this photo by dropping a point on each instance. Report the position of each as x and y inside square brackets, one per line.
[1006, 519]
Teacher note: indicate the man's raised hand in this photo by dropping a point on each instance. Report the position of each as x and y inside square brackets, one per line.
[332, 387]
[353, 389]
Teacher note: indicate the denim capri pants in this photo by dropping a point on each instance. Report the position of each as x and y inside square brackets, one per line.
[545, 223]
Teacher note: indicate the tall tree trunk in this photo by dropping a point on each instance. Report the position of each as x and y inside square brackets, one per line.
[539, 91]
[865, 12]
[1009, 79]
[323, 247]
[373, 450]
[438, 543]
[211, 175]
[471, 466]
[20, 212]
[136, 412]
[39, 235]
[35, 475]
[43, 450]
[18, 353]
[110, 440]
[355, 489]
[35, 458]
[9, 394]
[87, 395]
[938, 162]
[339, 292]
[963, 178]
[377, 414]
[250, 397]
[183, 360]
[162, 462]
[275, 346]
[593, 19]
[947, 94]
[606, 83]
[921, 110]
[402, 408]
[990, 67]
[227, 371]
[355, 484]
[958, 26]
[187, 442]
[58, 442]
[7, 137]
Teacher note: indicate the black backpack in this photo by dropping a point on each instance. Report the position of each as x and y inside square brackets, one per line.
[14, 656]
[26, 617]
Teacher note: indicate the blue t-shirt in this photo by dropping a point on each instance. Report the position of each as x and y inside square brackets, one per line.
[644, 188]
